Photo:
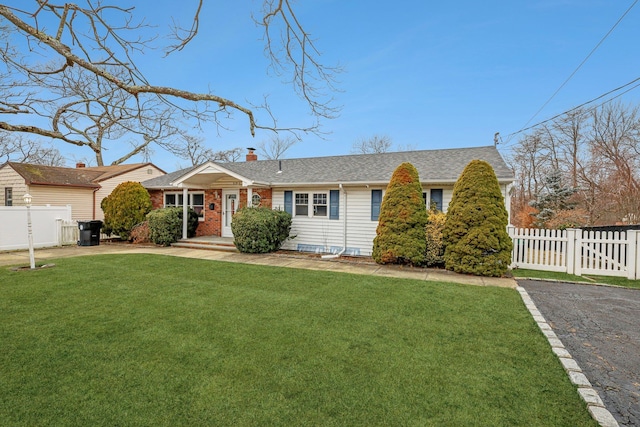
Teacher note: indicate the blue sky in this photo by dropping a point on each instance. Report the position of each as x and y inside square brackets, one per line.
[427, 74]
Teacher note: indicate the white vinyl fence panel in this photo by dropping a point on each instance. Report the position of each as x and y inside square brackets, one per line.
[47, 223]
[578, 252]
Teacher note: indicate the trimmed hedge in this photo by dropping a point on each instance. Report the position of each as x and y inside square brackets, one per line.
[400, 235]
[124, 208]
[475, 232]
[260, 230]
[165, 225]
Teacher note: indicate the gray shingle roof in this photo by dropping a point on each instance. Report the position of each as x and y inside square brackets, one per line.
[436, 166]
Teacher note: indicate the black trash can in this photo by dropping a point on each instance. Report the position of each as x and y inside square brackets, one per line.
[89, 232]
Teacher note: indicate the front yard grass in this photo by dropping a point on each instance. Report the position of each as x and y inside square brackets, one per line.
[161, 341]
[609, 280]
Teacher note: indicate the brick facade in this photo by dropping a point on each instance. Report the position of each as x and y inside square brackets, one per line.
[157, 198]
[212, 224]
[266, 196]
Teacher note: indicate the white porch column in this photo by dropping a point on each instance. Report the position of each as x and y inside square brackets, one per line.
[249, 197]
[185, 212]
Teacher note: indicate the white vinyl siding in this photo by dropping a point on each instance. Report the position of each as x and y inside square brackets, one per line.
[9, 178]
[80, 199]
[326, 235]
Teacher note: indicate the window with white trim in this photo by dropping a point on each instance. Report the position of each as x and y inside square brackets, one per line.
[302, 204]
[194, 200]
[319, 204]
[8, 196]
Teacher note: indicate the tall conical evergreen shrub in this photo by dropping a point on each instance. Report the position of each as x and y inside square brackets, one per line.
[400, 235]
[475, 232]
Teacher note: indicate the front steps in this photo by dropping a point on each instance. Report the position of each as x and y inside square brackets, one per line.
[213, 244]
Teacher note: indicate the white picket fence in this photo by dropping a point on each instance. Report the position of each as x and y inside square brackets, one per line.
[578, 252]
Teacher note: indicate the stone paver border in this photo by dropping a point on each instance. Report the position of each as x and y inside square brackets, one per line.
[594, 403]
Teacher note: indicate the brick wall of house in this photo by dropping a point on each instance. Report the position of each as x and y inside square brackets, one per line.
[243, 198]
[212, 224]
[157, 198]
[266, 195]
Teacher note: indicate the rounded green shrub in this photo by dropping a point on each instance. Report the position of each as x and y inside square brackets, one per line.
[126, 206]
[475, 232]
[400, 235]
[165, 225]
[260, 230]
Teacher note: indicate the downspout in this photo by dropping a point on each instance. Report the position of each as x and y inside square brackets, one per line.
[344, 230]
[94, 202]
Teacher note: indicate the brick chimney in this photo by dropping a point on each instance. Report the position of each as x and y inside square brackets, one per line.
[251, 156]
[80, 165]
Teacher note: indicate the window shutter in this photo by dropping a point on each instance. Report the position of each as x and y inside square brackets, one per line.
[334, 204]
[288, 202]
[436, 197]
[376, 201]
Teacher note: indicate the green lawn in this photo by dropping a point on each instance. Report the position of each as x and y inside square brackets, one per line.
[610, 280]
[162, 341]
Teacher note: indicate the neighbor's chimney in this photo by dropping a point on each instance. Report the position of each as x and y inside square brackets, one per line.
[251, 156]
[79, 165]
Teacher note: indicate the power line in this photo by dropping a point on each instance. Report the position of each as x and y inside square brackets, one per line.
[582, 63]
[582, 105]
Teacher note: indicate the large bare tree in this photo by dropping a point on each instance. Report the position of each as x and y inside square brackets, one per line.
[596, 151]
[69, 73]
[373, 145]
[275, 148]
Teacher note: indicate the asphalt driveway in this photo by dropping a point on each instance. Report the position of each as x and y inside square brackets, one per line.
[600, 327]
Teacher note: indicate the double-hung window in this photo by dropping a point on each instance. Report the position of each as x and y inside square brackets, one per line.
[194, 200]
[319, 204]
[8, 196]
[312, 204]
[302, 204]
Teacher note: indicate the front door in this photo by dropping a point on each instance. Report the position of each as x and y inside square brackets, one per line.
[231, 200]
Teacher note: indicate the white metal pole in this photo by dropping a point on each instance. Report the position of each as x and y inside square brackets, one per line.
[32, 260]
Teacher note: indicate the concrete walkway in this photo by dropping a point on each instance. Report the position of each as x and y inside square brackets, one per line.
[292, 260]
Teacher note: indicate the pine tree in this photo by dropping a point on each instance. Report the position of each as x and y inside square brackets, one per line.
[555, 198]
[475, 232]
[400, 235]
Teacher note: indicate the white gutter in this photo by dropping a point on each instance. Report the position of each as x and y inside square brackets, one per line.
[344, 230]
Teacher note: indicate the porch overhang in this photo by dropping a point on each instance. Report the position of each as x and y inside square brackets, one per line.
[209, 174]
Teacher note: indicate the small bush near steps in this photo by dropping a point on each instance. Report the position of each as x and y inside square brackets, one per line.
[165, 225]
[260, 230]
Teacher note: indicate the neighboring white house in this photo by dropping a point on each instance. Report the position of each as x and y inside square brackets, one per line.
[83, 188]
[334, 201]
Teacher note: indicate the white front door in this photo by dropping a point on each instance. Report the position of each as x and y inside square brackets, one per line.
[231, 200]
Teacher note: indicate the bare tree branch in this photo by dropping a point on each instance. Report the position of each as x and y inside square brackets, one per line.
[275, 148]
[375, 144]
[86, 62]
